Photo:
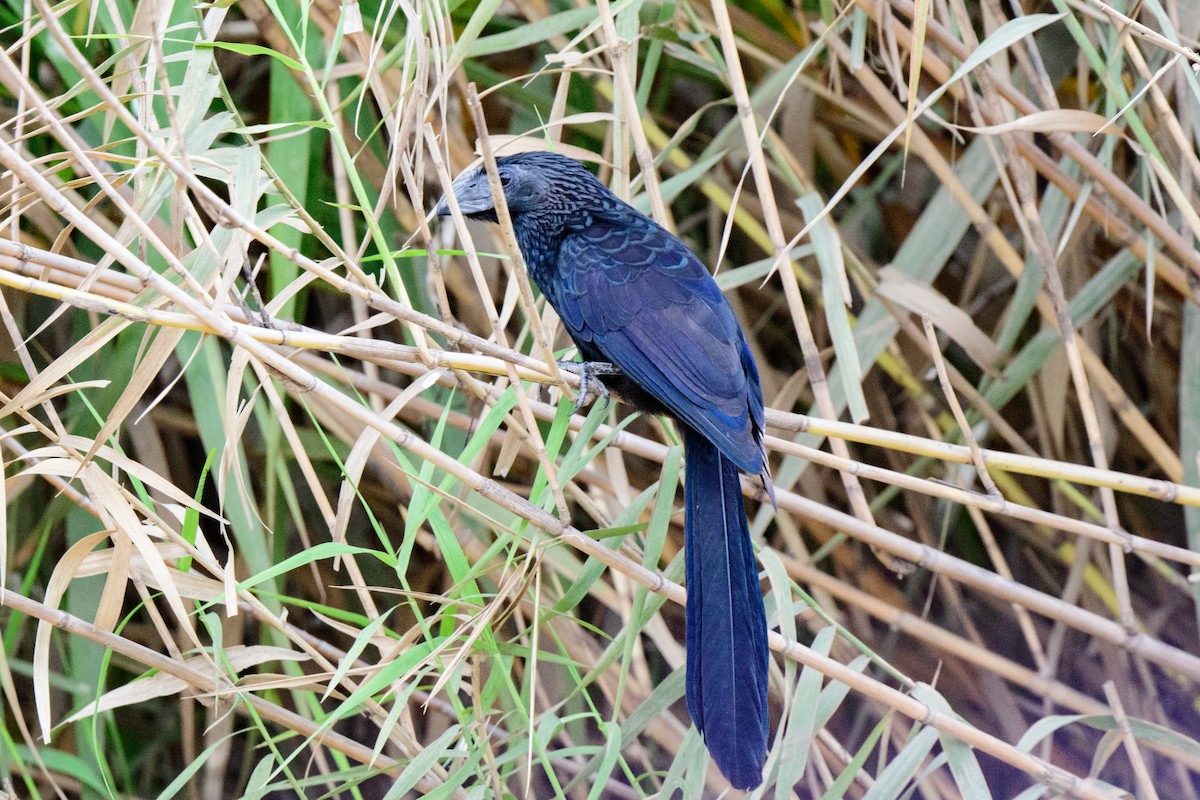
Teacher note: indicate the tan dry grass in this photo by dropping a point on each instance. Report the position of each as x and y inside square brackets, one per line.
[1050, 622]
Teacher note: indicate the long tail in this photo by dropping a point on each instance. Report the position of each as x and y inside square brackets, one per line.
[726, 622]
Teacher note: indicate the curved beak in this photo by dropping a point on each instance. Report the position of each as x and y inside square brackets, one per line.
[473, 194]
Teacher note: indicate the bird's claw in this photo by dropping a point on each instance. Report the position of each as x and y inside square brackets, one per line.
[591, 388]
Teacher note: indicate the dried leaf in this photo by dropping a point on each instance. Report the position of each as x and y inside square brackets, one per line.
[949, 318]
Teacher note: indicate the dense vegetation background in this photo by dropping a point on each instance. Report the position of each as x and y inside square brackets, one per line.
[290, 507]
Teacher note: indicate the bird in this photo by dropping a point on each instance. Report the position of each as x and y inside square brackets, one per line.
[651, 325]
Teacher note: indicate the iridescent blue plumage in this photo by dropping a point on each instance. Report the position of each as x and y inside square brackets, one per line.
[633, 295]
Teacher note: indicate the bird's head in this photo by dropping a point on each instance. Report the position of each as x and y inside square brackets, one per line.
[534, 183]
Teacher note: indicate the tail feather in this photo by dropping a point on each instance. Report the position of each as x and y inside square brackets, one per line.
[726, 623]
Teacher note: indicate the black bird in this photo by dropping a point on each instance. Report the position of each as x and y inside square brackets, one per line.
[635, 297]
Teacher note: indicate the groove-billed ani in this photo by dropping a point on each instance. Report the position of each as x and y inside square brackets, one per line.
[634, 296]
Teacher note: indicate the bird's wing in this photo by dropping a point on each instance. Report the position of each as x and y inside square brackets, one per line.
[637, 295]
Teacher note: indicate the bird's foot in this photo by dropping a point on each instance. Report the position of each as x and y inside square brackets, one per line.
[591, 388]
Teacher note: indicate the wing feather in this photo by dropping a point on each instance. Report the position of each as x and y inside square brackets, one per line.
[636, 294]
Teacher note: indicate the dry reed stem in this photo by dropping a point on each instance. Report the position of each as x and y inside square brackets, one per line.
[655, 582]
[204, 682]
[964, 427]
[105, 292]
[1013, 261]
[1121, 194]
[1145, 782]
[781, 249]
[618, 52]
[532, 434]
[784, 504]
[892, 698]
[17, 260]
[1040, 244]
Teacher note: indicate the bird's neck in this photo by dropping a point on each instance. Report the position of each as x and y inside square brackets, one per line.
[540, 239]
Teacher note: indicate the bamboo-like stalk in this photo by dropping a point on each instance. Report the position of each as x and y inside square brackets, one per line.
[1013, 261]
[306, 382]
[781, 250]
[17, 262]
[526, 294]
[1043, 580]
[204, 682]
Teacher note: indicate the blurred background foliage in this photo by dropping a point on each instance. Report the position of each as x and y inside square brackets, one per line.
[290, 507]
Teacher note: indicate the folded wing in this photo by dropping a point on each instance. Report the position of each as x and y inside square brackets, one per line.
[636, 294]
